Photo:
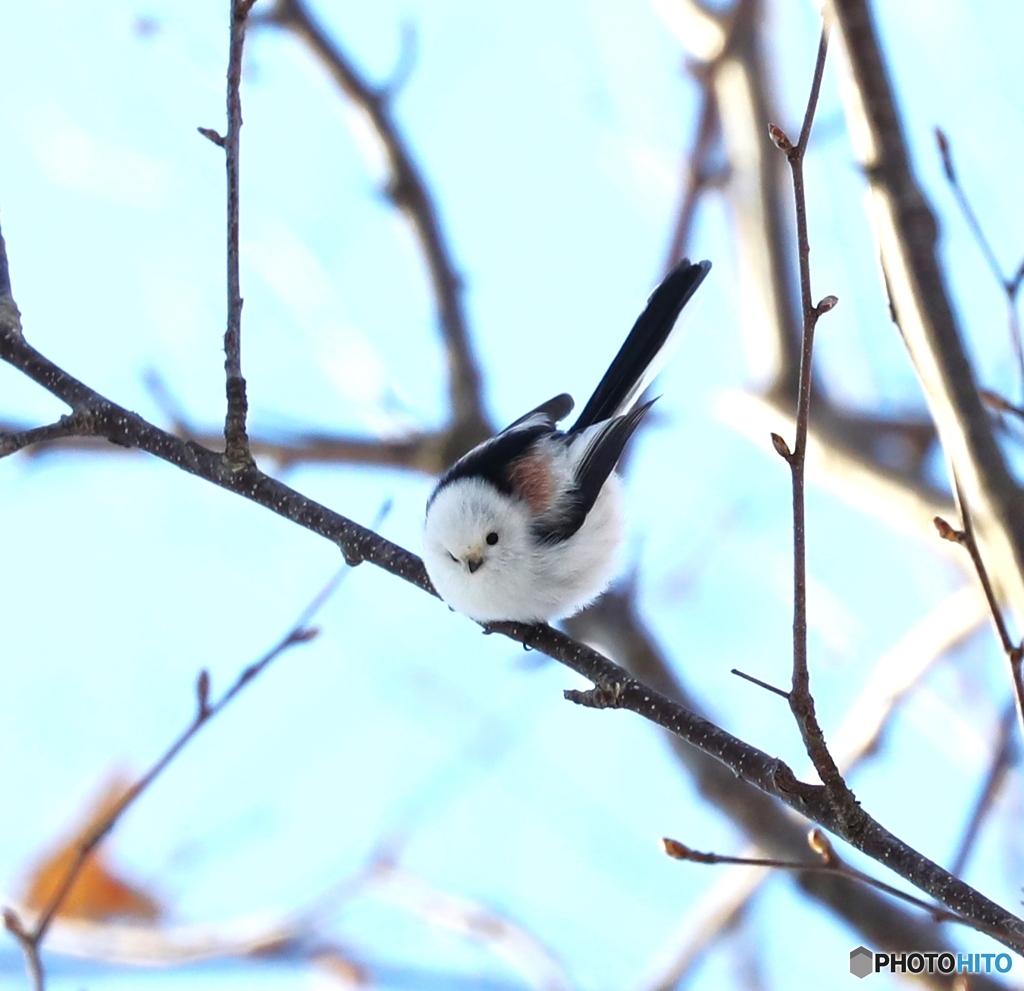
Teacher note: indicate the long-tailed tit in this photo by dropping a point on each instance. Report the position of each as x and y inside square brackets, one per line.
[526, 526]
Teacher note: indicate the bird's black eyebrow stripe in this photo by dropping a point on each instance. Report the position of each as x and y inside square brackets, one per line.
[491, 460]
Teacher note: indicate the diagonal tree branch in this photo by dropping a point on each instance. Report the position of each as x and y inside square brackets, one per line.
[906, 232]
[408, 191]
[968, 538]
[613, 622]
[118, 423]
[614, 688]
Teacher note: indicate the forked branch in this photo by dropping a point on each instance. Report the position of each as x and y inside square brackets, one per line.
[800, 699]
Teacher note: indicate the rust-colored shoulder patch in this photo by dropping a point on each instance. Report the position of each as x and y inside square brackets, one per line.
[532, 480]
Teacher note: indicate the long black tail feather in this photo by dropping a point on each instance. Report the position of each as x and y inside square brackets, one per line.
[648, 337]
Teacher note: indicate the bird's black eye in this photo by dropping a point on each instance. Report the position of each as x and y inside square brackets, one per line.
[491, 538]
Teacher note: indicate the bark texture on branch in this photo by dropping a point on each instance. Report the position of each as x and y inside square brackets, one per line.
[906, 232]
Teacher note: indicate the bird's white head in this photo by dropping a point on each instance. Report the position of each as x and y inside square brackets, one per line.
[475, 541]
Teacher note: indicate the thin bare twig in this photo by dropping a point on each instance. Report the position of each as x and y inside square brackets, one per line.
[1001, 403]
[423, 452]
[427, 452]
[236, 443]
[828, 862]
[759, 683]
[1010, 286]
[301, 632]
[71, 425]
[29, 948]
[876, 919]
[968, 538]
[613, 622]
[743, 92]
[800, 699]
[1003, 755]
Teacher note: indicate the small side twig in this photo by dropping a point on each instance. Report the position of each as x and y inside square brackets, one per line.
[78, 424]
[1011, 285]
[967, 538]
[828, 862]
[1000, 403]
[236, 442]
[29, 948]
[800, 699]
[759, 683]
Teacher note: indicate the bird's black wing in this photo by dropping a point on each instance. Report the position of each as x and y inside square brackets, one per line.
[636, 363]
[598, 461]
[551, 412]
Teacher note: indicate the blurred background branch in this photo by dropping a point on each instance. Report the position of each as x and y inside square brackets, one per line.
[874, 460]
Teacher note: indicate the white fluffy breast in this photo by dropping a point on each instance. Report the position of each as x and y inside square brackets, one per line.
[517, 577]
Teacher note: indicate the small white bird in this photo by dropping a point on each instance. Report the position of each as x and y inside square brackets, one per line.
[526, 526]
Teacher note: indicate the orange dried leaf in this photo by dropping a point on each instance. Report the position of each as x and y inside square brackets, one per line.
[98, 892]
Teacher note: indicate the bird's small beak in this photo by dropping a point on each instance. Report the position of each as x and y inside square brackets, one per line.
[473, 562]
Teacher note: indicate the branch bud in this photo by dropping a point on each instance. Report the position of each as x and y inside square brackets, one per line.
[820, 844]
[826, 304]
[1018, 276]
[780, 445]
[779, 138]
[675, 849]
[946, 532]
[946, 154]
[211, 135]
[203, 693]
[304, 635]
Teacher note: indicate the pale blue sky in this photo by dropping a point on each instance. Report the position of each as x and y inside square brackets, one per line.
[551, 136]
